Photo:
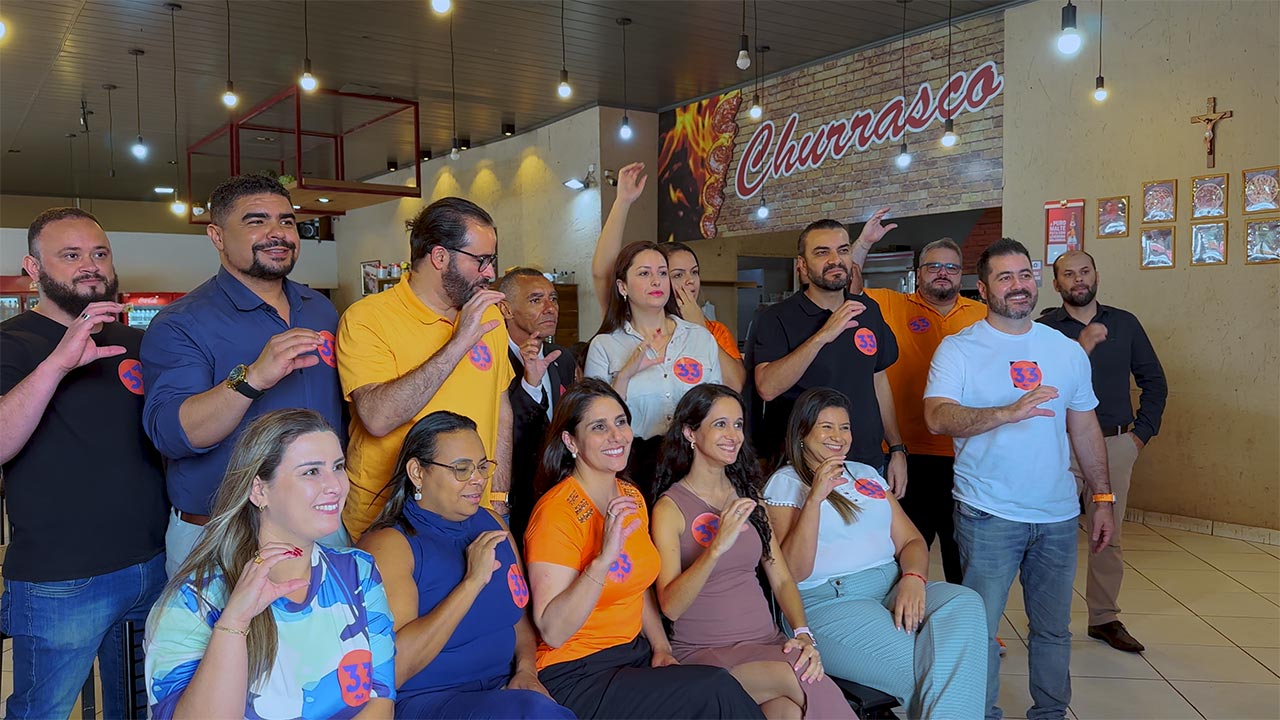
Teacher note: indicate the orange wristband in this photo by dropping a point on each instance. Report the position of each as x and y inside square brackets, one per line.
[915, 575]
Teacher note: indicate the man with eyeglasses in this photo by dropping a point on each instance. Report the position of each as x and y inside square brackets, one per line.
[434, 341]
[920, 321]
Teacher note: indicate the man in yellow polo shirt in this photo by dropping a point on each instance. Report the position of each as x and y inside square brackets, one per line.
[435, 341]
[920, 321]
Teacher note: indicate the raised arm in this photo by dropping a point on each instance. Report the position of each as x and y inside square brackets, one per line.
[631, 181]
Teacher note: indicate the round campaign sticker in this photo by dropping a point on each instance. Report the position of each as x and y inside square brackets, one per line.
[1025, 374]
[689, 370]
[620, 569]
[705, 527]
[328, 348]
[919, 324]
[355, 677]
[130, 372]
[869, 488]
[480, 356]
[865, 340]
[519, 588]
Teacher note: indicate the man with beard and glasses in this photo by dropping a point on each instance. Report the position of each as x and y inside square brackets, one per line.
[85, 489]
[244, 343]
[1018, 399]
[434, 341]
[826, 336]
[920, 321]
[1118, 347]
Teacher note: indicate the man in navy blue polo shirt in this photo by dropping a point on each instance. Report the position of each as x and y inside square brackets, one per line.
[244, 343]
[826, 336]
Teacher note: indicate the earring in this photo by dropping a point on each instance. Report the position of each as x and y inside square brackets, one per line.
[801, 443]
[574, 453]
[417, 492]
[693, 443]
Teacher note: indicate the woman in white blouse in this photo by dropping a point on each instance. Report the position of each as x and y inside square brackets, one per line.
[862, 570]
[648, 353]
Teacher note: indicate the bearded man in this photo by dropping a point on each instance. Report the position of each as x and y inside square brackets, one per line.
[435, 341]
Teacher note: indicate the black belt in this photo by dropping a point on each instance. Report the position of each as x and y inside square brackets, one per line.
[193, 518]
[1114, 430]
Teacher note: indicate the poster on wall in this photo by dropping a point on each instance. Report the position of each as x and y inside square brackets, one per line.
[1160, 201]
[1113, 216]
[1262, 241]
[1209, 196]
[1063, 228]
[1157, 247]
[1209, 243]
[1261, 190]
[693, 164]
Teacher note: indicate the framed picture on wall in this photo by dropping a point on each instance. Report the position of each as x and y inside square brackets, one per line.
[1209, 196]
[1157, 247]
[1160, 201]
[1209, 243]
[1113, 216]
[1262, 241]
[1261, 190]
[369, 276]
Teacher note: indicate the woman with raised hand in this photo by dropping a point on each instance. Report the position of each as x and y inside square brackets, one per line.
[604, 652]
[457, 591]
[862, 569]
[712, 532]
[261, 621]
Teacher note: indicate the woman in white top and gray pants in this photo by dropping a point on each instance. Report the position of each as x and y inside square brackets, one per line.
[648, 353]
[862, 570]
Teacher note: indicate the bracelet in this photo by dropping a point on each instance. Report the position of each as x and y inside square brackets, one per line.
[915, 575]
[225, 629]
[601, 583]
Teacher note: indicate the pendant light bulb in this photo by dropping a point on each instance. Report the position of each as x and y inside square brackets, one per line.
[949, 133]
[177, 207]
[1069, 39]
[762, 212]
[308, 81]
[624, 131]
[441, 6]
[744, 53]
[229, 97]
[454, 153]
[1099, 89]
[756, 112]
[564, 90]
[904, 158]
[139, 149]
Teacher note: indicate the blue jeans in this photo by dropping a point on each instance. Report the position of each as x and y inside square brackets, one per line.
[58, 628]
[994, 550]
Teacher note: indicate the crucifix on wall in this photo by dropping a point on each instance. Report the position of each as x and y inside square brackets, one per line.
[1210, 119]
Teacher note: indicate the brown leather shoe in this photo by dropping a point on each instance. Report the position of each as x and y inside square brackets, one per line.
[1115, 635]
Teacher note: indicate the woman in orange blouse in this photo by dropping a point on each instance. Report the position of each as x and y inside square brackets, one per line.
[591, 563]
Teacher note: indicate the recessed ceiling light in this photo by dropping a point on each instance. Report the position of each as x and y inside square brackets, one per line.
[264, 138]
[323, 200]
[297, 207]
[164, 190]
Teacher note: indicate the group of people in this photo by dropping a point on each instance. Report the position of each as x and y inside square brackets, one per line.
[668, 527]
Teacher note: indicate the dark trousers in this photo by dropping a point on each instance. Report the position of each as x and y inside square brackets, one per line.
[619, 683]
[929, 504]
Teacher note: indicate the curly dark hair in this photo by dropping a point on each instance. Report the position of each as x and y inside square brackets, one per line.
[675, 459]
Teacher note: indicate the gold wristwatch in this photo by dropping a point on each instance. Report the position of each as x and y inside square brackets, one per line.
[238, 381]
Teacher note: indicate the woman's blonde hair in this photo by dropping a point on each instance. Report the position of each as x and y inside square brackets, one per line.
[230, 539]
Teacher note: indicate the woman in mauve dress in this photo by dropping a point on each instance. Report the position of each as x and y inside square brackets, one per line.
[712, 533]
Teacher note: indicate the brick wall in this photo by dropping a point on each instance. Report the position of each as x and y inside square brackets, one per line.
[987, 230]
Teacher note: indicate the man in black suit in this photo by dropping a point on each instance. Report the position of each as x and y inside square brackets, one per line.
[542, 373]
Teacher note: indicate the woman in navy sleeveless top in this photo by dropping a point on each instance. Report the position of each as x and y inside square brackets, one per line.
[457, 591]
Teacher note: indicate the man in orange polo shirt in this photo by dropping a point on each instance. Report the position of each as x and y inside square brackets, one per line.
[435, 341]
[920, 321]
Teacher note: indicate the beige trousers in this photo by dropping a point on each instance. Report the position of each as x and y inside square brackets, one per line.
[1106, 569]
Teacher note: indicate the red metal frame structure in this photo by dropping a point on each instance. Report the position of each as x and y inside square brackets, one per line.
[334, 187]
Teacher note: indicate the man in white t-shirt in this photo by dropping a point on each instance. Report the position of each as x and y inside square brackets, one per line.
[1013, 393]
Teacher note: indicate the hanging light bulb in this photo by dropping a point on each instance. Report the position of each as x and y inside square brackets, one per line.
[1099, 86]
[1069, 39]
[564, 90]
[762, 212]
[229, 97]
[949, 133]
[139, 149]
[177, 207]
[1099, 89]
[441, 6]
[756, 112]
[744, 54]
[454, 154]
[308, 81]
[624, 131]
[904, 158]
[4, 29]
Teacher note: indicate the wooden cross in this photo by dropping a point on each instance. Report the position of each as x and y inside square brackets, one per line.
[1209, 120]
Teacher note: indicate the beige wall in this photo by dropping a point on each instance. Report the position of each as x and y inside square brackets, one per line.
[1215, 328]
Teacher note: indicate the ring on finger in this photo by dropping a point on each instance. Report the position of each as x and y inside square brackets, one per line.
[84, 316]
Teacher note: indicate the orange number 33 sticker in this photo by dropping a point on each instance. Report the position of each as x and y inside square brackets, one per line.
[1025, 374]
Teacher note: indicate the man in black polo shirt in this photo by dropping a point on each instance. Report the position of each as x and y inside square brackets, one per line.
[84, 486]
[1118, 347]
[828, 337]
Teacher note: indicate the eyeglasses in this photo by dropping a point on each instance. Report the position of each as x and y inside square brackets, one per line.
[950, 268]
[483, 260]
[464, 469]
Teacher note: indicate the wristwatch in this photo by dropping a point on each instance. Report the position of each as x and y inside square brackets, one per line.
[1104, 497]
[898, 448]
[495, 496]
[804, 630]
[238, 381]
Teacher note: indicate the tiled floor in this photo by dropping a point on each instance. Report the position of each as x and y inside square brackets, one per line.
[1207, 608]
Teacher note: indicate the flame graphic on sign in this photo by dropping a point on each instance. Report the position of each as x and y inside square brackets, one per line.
[694, 159]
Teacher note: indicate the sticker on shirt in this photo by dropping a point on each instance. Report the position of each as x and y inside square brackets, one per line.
[480, 356]
[1025, 374]
[355, 677]
[919, 324]
[865, 339]
[130, 372]
[705, 527]
[518, 587]
[868, 488]
[688, 370]
[620, 569]
[328, 349]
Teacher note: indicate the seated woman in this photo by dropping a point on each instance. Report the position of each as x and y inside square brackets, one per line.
[709, 484]
[862, 568]
[464, 646]
[261, 621]
[604, 653]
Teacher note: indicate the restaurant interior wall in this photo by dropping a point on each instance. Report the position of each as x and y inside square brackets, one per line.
[1215, 328]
